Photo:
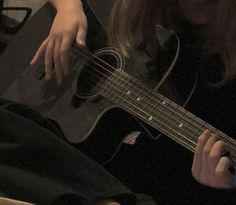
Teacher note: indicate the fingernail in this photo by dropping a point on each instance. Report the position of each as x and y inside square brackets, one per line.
[81, 43]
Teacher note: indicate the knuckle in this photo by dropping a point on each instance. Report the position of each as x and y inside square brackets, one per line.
[201, 139]
[206, 151]
[214, 155]
[68, 32]
[54, 34]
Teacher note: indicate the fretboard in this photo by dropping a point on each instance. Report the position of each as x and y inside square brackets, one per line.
[160, 112]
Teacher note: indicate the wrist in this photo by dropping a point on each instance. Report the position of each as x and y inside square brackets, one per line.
[66, 5]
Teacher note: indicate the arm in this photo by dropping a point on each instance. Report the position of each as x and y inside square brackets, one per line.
[61, 3]
[210, 166]
[70, 24]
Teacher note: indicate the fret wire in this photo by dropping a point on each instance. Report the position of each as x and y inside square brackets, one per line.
[185, 144]
[155, 125]
[183, 130]
[126, 79]
[132, 99]
[109, 80]
[190, 123]
[143, 97]
[168, 119]
[169, 102]
[174, 111]
[191, 135]
[196, 131]
[199, 121]
[117, 85]
[145, 118]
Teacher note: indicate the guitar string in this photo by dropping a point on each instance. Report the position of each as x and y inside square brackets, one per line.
[184, 143]
[143, 87]
[106, 82]
[118, 71]
[180, 116]
[109, 66]
[232, 159]
[146, 113]
[150, 112]
[144, 117]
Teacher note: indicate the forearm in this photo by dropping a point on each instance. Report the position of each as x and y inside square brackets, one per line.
[68, 4]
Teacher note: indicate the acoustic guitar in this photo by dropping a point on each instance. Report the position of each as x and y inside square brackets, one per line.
[99, 82]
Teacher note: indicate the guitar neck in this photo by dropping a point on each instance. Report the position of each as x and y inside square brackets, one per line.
[159, 112]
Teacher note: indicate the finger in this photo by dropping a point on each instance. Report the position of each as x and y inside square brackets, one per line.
[49, 60]
[81, 35]
[197, 160]
[40, 52]
[225, 177]
[223, 167]
[206, 152]
[215, 155]
[64, 53]
[57, 61]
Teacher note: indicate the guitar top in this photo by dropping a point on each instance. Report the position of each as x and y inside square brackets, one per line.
[25, 84]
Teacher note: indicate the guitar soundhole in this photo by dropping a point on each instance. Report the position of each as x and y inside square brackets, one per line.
[96, 73]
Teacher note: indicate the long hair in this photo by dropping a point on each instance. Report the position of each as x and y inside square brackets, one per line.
[221, 36]
[132, 24]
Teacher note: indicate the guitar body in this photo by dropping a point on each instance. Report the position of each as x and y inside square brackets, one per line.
[78, 115]
[81, 109]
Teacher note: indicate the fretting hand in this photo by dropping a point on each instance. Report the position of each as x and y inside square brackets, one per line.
[210, 166]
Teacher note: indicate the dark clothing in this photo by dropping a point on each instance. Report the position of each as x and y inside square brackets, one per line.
[162, 168]
[37, 165]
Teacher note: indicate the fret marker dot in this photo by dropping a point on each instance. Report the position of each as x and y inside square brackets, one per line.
[163, 102]
[181, 125]
[138, 99]
[150, 118]
[128, 93]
